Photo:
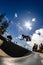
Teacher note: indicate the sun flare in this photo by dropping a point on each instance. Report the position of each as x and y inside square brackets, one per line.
[28, 25]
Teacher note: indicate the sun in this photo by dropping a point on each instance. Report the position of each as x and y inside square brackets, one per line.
[28, 25]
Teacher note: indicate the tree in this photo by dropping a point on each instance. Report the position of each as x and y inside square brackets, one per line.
[3, 25]
[1, 17]
[28, 38]
[9, 37]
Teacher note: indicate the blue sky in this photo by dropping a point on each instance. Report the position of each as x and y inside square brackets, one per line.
[26, 16]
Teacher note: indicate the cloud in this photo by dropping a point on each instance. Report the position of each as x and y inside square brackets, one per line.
[16, 15]
[19, 36]
[33, 19]
[40, 31]
[37, 37]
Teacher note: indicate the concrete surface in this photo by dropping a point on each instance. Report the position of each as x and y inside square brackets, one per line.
[33, 59]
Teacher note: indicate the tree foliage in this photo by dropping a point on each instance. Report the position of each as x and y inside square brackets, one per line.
[3, 24]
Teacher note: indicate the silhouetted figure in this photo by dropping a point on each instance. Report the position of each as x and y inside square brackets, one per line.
[35, 47]
[26, 37]
[40, 47]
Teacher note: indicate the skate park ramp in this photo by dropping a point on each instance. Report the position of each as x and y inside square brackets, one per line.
[12, 49]
[3, 54]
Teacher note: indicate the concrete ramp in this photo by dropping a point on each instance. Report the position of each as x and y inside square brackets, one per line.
[13, 49]
[3, 54]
